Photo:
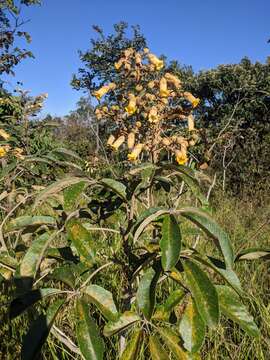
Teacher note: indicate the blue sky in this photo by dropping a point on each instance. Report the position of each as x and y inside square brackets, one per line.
[201, 33]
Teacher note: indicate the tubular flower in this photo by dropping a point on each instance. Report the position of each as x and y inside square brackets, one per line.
[119, 63]
[104, 90]
[154, 60]
[153, 116]
[18, 153]
[181, 157]
[110, 140]
[118, 142]
[189, 97]
[163, 90]
[138, 59]
[131, 140]
[173, 79]
[131, 108]
[4, 134]
[135, 152]
[3, 151]
[191, 122]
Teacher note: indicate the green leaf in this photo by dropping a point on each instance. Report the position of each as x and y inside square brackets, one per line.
[133, 346]
[163, 311]
[127, 319]
[25, 221]
[156, 350]
[146, 293]
[89, 340]
[58, 186]
[33, 256]
[203, 293]
[192, 328]
[116, 186]
[39, 332]
[66, 153]
[155, 213]
[64, 273]
[170, 243]
[8, 260]
[82, 240]
[207, 224]
[253, 254]
[232, 307]
[173, 341]
[71, 195]
[103, 299]
[21, 303]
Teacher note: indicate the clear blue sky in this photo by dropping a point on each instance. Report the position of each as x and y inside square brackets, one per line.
[201, 33]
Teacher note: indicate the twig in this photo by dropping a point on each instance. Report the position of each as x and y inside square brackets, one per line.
[62, 337]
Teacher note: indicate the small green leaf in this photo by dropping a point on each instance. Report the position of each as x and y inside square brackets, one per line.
[64, 273]
[21, 303]
[127, 319]
[89, 340]
[170, 243]
[39, 332]
[207, 224]
[163, 311]
[82, 240]
[192, 328]
[203, 293]
[232, 307]
[146, 294]
[253, 254]
[156, 350]
[116, 186]
[71, 195]
[103, 299]
[133, 346]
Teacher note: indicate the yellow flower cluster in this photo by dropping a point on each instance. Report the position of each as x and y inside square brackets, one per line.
[147, 101]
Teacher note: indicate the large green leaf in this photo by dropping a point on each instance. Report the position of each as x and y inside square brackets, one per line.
[21, 303]
[203, 292]
[146, 293]
[192, 328]
[71, 195]
[173, 342]
[25, 221]
[234, 309]
[116, 186]
[207, 224]
[58, 186]
[170, 243]
[127, 319]
[156, 350]
[133, 346]
[39, 331]
[82, 240]
[89, 339]
[103, 299]
[33, 256]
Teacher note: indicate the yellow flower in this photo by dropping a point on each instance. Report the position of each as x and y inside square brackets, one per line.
[181, 157]
[135, 152]
[139, 87]
[154, 60]
[173, 79]
[110, 140]
[164, 92]
[153, 116]
[191, 122]
[189, 97]
[131, 108]
[128, 52]
[4, 134]
[119, 63]
[2, 151]
[117, 143]
[138, 59]
[104, 109]
[104, 90]
[131, 140]
[18, 153]
[151, 84]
